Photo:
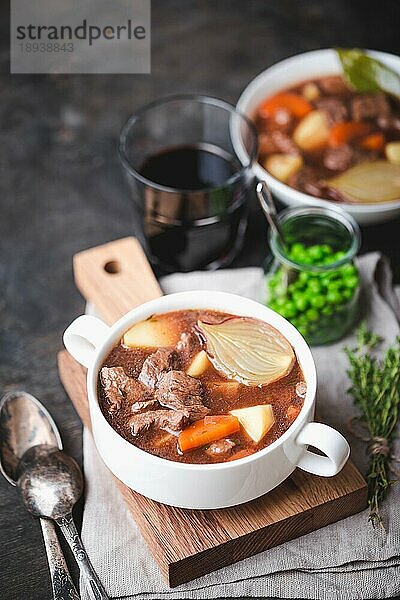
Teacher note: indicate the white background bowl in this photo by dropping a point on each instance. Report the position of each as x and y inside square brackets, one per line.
[202, 486]
[287, 73]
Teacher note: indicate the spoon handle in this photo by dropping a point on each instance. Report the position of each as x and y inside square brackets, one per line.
[269, 209]
[95, 587]
[61, 582]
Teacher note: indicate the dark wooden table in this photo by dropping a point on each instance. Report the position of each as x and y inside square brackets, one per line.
[62, 188]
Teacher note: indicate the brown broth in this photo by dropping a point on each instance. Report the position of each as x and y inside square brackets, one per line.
[161, 443]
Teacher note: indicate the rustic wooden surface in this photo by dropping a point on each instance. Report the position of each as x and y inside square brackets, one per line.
[62, 188]
[187, 544]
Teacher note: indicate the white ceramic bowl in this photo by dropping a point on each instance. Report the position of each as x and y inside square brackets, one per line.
[199, 486]
[284, 74]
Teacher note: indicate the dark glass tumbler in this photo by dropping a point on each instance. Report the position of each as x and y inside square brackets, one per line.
[185, 226]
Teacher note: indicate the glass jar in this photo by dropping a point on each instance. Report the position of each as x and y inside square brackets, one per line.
[313, 281]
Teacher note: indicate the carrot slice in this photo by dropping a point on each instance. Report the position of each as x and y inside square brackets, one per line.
[342, 133]
[295, 104]
[207, 430]
[374, 141]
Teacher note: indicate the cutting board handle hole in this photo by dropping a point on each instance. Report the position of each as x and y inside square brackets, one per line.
[112, 267]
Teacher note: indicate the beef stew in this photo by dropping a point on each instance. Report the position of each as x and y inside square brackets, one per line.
[314, 136]
[164, 387]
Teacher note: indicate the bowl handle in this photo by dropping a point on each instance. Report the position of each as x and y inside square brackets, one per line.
[327, 440]
[83, 337]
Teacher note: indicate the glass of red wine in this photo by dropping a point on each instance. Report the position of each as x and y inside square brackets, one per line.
[190, 189]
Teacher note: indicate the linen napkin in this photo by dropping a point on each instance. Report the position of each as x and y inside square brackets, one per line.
[346, 560]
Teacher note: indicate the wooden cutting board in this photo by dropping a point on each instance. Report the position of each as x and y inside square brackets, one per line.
[186, 544]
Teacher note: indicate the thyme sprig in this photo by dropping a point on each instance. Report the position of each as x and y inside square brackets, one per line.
[375, 387]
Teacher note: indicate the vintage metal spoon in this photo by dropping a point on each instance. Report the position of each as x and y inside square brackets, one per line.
[24, 422]
[268, 206]
[50, 483]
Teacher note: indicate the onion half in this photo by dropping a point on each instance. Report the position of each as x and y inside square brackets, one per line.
[248, 350]
[369, 182]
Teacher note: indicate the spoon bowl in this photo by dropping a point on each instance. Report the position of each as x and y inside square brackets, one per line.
[49, 481]
[24, 422]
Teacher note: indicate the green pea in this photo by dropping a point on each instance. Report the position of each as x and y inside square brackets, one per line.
[301, 303]
[315, 253]
[280, 290]
[328, 260]
[292, 288]
[339, 255]
[298, 284]
[297, 248]
[312, 314]
[334, 297]
[327, 311]
[281, 301]
[303, 259]
[297, 294]
[335, 285]
[348, 269]
[314, 286]
[272, 282]
[317, 301]
[302, 320]
[290, 309]
[326, 249]
[303, 277]
[347, 293]
[325, 280]
[351, 282]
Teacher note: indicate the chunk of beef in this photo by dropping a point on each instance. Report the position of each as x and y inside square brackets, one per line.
[141, 406]
[389, 123]
[334, 108]
[334, 85]
[119, 388]
[369, 106]
[131, 358]
[339, 159]
[277, 142]
[281, 120]
[189, 344]
[164, 359]
[223, 446]
[307, 180]
[170, 420]
[183, 393]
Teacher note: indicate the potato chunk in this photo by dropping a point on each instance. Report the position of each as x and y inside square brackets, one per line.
[153, 333]
[311, 91]
[255, 420]
[392, 151]
[283, 166]
[312, 132]
[199, 364]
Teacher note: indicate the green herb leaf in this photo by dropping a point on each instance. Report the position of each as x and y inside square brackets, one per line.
[375, 387]
[366, 74]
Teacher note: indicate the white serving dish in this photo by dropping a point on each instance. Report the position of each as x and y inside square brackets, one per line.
[206, 486]
[284, 74]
